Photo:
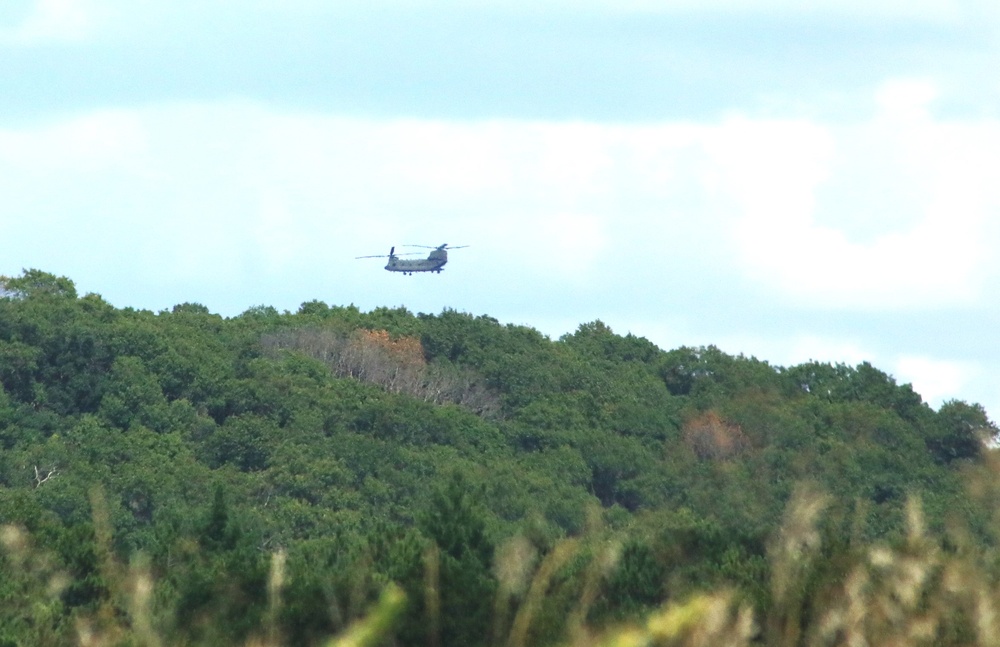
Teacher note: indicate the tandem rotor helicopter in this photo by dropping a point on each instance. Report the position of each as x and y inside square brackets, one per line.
[433, 263]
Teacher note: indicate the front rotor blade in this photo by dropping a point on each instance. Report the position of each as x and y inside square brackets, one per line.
[438, 246]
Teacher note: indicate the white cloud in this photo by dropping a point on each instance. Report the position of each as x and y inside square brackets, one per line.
[905, 100]
[936, 255]
[769, 202]
[279, 237]
[54, 21]
[567, 244]
[937, 10]
[81, 144]
[446, 159]
[937, 380]
[793, 348]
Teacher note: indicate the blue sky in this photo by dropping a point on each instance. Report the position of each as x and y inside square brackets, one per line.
[786, 182]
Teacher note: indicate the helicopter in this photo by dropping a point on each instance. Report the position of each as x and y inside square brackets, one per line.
[433, 263]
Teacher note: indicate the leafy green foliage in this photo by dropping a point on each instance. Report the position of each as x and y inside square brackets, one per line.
[359, 449]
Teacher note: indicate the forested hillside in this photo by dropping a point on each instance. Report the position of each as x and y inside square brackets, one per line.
[183, 478]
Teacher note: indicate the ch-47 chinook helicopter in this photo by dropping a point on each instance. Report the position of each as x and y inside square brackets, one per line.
[433, 263]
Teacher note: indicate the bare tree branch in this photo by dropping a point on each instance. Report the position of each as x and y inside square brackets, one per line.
[44, 475]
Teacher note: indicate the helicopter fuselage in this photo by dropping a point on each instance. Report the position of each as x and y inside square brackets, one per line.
[433, 263]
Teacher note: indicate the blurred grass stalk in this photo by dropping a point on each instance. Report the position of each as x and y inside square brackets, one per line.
[920, 590]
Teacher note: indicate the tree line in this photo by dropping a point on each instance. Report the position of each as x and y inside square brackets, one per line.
[179, 477]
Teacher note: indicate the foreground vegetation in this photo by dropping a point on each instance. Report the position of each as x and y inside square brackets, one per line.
[394, 478]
